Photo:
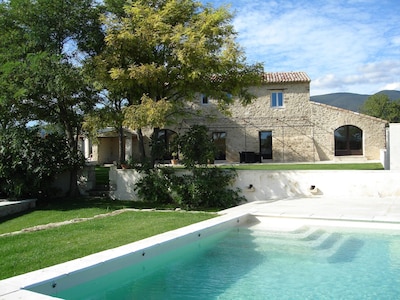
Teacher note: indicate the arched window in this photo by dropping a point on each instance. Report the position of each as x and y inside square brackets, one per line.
[348, 141]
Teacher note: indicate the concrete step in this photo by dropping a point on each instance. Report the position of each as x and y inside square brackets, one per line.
[351, 159]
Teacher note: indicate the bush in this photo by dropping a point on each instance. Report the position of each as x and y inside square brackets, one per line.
[201, 187]
[155, 185]
[30, 160]
[196, 146]
[206, 188]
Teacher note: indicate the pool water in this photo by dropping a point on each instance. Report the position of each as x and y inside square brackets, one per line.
[306, 263]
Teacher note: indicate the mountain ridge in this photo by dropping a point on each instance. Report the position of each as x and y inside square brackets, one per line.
[351, 101]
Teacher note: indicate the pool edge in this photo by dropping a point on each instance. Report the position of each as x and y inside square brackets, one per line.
[17, 287]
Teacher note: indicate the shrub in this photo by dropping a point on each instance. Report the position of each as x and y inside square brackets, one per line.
[155, 185]
[206, 188]
[200, 186]
[196, 146]
[30, 160]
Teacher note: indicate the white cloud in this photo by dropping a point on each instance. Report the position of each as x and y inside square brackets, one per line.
[368, 79]
[392, 86]
[342, 45]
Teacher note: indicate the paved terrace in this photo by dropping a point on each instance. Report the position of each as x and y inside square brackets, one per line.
[367, 209]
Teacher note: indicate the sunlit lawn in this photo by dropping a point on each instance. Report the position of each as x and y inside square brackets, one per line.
[35, 250]
[308, 166]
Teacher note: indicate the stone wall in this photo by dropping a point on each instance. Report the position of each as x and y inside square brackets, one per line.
[327, 119]
[302, 130]
[292, 130]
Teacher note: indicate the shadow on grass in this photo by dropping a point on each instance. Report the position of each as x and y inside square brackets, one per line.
[95, 202]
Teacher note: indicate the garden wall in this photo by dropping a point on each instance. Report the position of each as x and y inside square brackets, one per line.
[269, 185]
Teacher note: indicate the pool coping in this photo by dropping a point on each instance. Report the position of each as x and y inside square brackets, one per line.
[380, 214]
[16, 287]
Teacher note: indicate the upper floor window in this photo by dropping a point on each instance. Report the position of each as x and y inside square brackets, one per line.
[277, 99]
[204, 99]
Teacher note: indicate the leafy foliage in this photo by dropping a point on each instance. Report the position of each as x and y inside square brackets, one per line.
[205, 188]
[155, 185]
[380, 106]
[197, 146]
[168, 51]
[198, 187]
[148, 113]
[29, 162]
[46, 44]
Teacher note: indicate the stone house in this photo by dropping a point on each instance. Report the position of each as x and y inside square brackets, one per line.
[283, 125]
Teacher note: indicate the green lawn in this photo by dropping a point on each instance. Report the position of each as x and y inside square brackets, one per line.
[300, 166]
[102, 175]
[65, 209]
[308, 166]
[30, 251]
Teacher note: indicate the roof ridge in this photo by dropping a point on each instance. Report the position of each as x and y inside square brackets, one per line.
[276, 77]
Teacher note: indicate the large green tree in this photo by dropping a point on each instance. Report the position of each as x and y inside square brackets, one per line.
[381, 106]
[46, 44]
[169, 50]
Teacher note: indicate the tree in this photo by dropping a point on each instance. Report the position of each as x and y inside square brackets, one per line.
[29, 160]
[197, 146]
[169, 50]
[41, 64]
[380, 106]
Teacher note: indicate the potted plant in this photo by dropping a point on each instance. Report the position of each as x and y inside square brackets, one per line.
[174, 159]
[124, 165]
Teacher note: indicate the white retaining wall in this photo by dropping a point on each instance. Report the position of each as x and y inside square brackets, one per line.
[268, 185]
[394, 146]
[122, 184]
[291, 184]
[13, 207]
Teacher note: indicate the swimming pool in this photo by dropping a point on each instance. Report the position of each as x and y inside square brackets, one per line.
[274, 260]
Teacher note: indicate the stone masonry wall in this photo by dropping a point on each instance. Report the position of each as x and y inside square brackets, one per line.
[327, 119]
[292, 131]
[302, 130]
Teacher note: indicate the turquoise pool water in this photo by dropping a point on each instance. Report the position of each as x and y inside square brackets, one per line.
[307, 263]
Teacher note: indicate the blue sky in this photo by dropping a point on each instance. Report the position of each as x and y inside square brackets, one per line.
[344, 46]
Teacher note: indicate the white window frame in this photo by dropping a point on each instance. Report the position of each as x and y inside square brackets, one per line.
[204, 99]
[276, 101]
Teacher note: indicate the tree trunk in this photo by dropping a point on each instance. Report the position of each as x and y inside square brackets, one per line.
[155, 140]
[73, 184]
[121, 144]
[72, 138]
[142, 151]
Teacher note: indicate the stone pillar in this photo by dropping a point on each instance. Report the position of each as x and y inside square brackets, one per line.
[86, 147]
[128, 146]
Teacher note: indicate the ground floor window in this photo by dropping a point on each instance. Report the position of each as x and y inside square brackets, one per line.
[348, 141]
[220, 145]
[265, 138]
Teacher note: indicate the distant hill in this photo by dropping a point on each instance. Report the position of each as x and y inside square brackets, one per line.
[350, 101]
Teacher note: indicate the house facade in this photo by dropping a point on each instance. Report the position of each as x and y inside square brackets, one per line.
[283, 125]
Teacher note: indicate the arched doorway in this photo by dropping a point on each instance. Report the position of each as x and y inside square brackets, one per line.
[348, 140]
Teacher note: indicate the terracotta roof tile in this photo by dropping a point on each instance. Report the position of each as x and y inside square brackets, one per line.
[277, 77]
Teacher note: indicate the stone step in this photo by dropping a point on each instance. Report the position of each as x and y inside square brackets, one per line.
[351, 159]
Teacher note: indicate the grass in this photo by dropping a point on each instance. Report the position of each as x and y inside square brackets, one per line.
[63, 210]
[301, 166]
[35, 250]
[102, 175]
[308, 166]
